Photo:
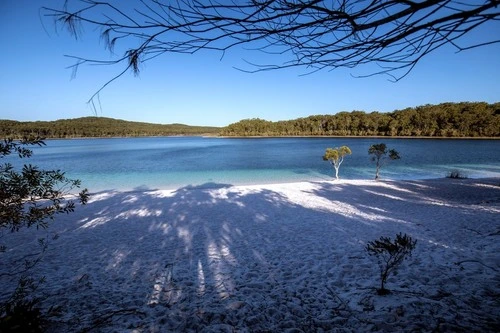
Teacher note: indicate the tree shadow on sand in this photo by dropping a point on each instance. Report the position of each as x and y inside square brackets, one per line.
[216, 257]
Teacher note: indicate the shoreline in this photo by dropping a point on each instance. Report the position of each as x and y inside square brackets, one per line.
[361, 137]
[282, 137]
[358, 181]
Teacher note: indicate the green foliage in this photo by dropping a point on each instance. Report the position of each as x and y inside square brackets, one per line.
[336, 156]
[390, 255]
[97, 127]
[9, 146]
[32, 196]
[22, 313]
[29, 197]
[377, 149]
[380, 150]
[380, 156]
[23, 316]
[443, 120]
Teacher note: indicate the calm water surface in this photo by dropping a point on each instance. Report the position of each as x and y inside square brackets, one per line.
[172, 162]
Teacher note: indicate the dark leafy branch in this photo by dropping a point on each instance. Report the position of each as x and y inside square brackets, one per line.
[314, 34]
[29, 197]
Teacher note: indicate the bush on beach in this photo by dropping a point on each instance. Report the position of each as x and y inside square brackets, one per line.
[456, 174]
[390, 255]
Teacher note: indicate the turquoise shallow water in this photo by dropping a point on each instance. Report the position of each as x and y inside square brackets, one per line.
[172, 162]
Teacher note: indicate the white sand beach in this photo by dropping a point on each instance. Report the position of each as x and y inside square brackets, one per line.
[272, 258]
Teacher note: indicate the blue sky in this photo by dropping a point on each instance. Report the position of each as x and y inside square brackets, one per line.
[202, 89]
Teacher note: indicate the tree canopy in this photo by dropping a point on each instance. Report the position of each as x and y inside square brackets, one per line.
[97, 127]
[336, 156]
[314, 34]
[442, 120]
[380, 155]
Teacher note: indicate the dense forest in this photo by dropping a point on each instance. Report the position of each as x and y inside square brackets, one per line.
[443, 120]
[96, 127]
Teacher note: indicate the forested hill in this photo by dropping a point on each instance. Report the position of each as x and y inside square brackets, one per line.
[97, 127]
[443, 120]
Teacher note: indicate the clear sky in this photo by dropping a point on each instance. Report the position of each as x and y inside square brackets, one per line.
[202, 89]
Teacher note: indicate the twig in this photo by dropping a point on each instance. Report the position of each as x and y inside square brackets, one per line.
[476, 261]
[494, 233]
[102, 319]
[477, 232]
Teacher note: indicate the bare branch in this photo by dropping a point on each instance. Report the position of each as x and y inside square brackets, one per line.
[313, 34]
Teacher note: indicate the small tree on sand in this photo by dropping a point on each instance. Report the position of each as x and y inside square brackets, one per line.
[390, 255]
[336, 156]
[29, 197]
[381, 155]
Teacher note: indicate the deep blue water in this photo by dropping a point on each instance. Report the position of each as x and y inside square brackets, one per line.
[171, 162]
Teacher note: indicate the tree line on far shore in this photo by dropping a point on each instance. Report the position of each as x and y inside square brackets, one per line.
[464, 119]
[443, 120]
[96, 127]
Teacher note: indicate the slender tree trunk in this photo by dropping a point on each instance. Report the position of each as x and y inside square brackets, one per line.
[384, 273]
[377, 172]
[337, 166]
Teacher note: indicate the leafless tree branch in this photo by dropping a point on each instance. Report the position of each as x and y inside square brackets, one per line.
[314, 34]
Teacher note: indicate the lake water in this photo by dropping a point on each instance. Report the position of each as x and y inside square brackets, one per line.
[172, 162]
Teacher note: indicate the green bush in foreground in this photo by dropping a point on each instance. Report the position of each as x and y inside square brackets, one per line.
[22, 315]
[29, 197]
[390, 255]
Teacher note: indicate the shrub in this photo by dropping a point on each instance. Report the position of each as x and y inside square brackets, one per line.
[23, 315]
[390, 255]
[29, 197]
[456, 174]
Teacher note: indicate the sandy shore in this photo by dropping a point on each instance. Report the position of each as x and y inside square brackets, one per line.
[273, 258]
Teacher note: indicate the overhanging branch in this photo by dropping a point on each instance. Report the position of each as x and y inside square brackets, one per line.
[313, 34]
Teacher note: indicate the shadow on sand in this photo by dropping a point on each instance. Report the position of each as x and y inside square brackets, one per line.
[219, 257]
